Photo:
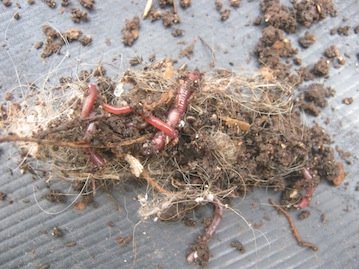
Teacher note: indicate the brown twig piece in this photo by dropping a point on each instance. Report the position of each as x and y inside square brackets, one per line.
[293, 228]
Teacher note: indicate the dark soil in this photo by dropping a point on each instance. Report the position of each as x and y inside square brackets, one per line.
[130, 32]
[307, 40]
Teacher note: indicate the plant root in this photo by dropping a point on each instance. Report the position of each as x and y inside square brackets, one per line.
[293, 228]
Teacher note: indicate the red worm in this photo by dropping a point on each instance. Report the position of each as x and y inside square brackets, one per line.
[305, 201]
[178, 109]
[209, 232]
[89, 101]
[117, 110]
[161, 125]
[87, 108]
[150, 119]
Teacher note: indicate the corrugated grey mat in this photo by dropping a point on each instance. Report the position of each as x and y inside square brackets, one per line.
[26, 222]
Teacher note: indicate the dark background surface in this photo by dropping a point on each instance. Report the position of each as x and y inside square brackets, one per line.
[26, 224]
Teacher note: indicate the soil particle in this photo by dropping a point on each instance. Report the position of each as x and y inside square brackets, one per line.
[305, 74]
[185, 3]
[344, 155]
[17, 16]
[31, 2]
[307, 40]
[87, 3]
[315, 98]
[55, 40]
[77, 15]
[85, 40]
[8, 96]
[309, 12]
[72, 34]
[50, 3]
[165, 3]
[177, 32]
[343, 30]
[6, 3]
[57, 232]
[136, 60]
[304, 214]
[339, 176]
[297, 61]
[235, 3]
[225, 13]
[278, 16]
[56, 196]
[131, 31]
[65, 3]
[187, 51]
[218, 4]
[169, 18]
[123, 240]
[272, 46]
[348, 100]
[2, 196]
[38, 45]
[71, 244]
[321, 68]
[356, 29]
[324, 218]
[154, 15]
[332, 52]
[236, 244]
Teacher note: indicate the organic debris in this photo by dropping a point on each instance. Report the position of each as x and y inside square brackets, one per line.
[55, 40]
[130, 32]
[194, 138]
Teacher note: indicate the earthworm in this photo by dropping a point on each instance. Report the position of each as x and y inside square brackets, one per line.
[179, 107]
[87, 108]
[294, 229]
[89, 101]
[148, 117]
[117, 110]
[305, 200]
[209, 232]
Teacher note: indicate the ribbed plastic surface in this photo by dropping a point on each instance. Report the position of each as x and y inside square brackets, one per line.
[25, 229]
